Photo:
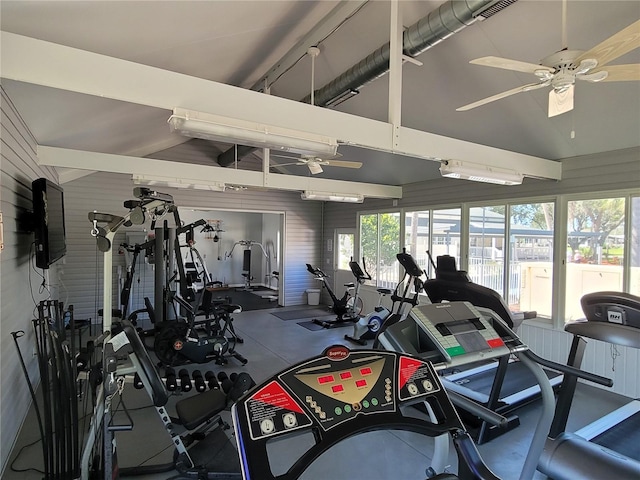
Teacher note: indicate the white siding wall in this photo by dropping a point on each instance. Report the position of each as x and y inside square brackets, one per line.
[618, 363]
[18, 282]
[106, 193]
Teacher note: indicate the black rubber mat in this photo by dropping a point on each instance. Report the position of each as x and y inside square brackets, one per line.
[301, 314]
[623, 438]
[309, 325]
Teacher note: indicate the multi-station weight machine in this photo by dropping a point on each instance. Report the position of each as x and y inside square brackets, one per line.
[246, 260]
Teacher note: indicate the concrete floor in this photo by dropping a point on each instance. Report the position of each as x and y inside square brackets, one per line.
[272, 344]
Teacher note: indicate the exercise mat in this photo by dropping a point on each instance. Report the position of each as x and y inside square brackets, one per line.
[300, 314]
[314, 327]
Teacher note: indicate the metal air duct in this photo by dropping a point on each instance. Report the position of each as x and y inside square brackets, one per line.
[439, 24]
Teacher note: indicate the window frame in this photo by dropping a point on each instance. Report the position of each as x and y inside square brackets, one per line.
[358, 240]
[560, 204]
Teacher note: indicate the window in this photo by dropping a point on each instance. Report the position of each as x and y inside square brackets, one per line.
[416, 236]
[379, 244]
[527, 283]
[595, 250]
[486, 246]
[530, 253]
[446, 233]
[344, 249]
[517, 248]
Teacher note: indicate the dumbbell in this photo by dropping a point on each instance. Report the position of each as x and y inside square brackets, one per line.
[211, 379]
[171, 382]
[185, 381]
[225, 382]
[137, 382]
[198, 380]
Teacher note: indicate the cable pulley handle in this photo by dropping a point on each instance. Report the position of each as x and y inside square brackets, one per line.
[17, 334]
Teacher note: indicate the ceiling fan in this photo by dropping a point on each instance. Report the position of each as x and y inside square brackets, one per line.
[315, 164]
[561, 69]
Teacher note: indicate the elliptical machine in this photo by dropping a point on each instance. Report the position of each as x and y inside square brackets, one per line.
[349, 307]
[369, 326]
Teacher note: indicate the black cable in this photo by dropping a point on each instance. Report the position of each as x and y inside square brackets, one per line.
[155, 455]
[21, 470]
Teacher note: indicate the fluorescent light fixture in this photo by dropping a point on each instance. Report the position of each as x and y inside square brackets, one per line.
[332, 197]
[242, 132]
[174, 182]
[479, 173]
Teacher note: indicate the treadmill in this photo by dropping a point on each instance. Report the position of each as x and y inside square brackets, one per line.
[458, 333]
[610, 446]
[503, 384]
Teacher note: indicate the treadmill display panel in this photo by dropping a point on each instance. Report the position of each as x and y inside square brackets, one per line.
[458, 328]
[336, 388]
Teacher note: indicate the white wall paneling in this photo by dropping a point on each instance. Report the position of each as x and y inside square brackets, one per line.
[18, 279]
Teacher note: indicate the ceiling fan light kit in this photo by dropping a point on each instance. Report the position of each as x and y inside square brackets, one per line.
[332, 197]
[479, 173]
[232, 130]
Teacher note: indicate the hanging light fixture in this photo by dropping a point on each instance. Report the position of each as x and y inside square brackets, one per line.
[243, 132]
[479, 173]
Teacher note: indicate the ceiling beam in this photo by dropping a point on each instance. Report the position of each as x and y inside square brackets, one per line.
[43, 63]
[191, 173]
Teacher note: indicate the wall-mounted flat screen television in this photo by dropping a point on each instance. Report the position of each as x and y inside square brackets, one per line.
[48, 222]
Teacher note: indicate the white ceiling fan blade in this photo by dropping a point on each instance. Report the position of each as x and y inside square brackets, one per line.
[615, 46]
[507, 64]
[560, 101]
[622, 73]
[342, 163]
[282, 155]
[508, 93]
[287, 164]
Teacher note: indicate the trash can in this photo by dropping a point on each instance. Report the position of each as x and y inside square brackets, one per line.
[313, 296]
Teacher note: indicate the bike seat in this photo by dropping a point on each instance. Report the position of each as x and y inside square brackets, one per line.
[349, 285]
[229, 308]
[384, 291]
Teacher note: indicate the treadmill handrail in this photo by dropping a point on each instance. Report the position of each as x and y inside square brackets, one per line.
[569, 370]
[476, 409]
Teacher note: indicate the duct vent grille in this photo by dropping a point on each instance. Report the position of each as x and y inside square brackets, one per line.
[494, 8]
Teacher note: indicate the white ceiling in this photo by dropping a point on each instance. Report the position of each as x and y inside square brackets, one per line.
[237, 42]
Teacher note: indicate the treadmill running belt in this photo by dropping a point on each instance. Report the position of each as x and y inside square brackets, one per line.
[623, 438]
[517, 379]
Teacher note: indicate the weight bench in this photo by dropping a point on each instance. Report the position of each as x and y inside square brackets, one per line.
[198, 414]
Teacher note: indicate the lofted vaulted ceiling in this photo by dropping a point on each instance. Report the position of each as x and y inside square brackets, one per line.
[238, 43]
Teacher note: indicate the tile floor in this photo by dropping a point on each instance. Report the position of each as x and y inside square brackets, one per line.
[270, 345]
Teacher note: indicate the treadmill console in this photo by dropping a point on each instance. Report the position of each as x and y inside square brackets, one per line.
[457, 329]
[336, 395]
[612, 307]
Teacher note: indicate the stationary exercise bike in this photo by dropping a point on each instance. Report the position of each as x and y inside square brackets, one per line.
[367, 327]
[213, 339]
[196, 340]
[349, 307]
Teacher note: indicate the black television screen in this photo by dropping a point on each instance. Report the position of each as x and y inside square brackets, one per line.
[48, 218]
